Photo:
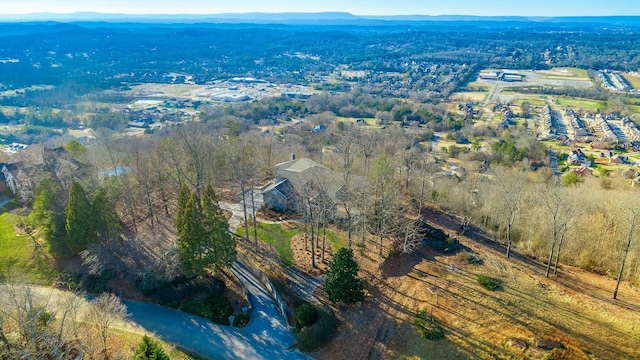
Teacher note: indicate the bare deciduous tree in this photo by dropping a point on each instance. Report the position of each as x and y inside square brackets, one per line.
[106, 310]
[563, 217]
[239, 155]
[633, 225]
[511, 187]
[46, 323]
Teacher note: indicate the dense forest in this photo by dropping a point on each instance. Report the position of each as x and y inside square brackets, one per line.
[107, 54]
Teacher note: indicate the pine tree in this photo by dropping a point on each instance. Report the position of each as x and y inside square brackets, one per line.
[46, 216]
[77, 225]
[149, 349]
[104, 222]
[219, 246]
[342, 283]
[191, 236]
[183, 197]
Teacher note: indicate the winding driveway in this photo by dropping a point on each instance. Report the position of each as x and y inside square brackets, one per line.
[192, 333]
[266, 337]
[203, 337]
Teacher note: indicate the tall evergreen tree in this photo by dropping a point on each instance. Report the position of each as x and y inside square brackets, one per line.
[191, 235]
[48, 217]
[342, 283]
[219, 246]
[183, 197]
[77, 226]
[104, 222]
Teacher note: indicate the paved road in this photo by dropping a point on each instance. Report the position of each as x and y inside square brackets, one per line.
[553, 160]
[190, 332]
[266, 320]
[203, 337]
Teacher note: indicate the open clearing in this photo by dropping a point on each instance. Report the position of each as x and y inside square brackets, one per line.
[565, 73]
[574, 307]
[472, 95]
[20, 254]
[634, 80]
[581, 103]
[558, 78]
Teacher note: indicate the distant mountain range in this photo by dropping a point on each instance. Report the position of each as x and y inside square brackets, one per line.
[329, 18]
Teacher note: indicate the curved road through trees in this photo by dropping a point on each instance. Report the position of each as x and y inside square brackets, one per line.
[192, 333]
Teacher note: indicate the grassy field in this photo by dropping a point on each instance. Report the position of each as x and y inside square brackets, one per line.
[565, 73]
[280, 238]
[533, 99]
[352, 120]
[18, 255]
[472, 95]
[633, 80]
[574, 308]
[81, 133]
[582, 103]
[478, 87]
[276, 236]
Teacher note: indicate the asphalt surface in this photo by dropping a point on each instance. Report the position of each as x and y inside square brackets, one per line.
[189, 332]
[205, 338]
[266, 320]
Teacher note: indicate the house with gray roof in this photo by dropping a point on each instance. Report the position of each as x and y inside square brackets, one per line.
[299, 180]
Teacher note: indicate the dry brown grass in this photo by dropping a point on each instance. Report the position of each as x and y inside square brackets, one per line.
[574, 307]
[633, 80]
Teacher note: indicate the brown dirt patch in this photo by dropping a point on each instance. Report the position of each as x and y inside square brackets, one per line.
[302, 256]
[271, 215]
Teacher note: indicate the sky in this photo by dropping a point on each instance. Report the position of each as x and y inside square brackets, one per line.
[357, 7]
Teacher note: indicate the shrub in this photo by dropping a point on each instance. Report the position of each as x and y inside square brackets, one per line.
[183, 289]
[97, 283]
[306, 315]
[428, 326]
[150, 283]
[219, 309]
[215, 308]
[311, 338]
[149, 349]
[196, 308]
[488, 283]
[569, 179]
[432, 331]
[241, 319]
[472, 258]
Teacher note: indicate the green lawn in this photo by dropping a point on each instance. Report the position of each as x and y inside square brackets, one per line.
[581, 103]
[337, 242]
[17, 254]
[280, 239]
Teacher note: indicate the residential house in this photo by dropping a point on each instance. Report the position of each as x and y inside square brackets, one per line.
[17, 180]
[617, 159]
[582, 171]
[301, 180]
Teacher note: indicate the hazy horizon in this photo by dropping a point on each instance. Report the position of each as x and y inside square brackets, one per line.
[544, 8]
